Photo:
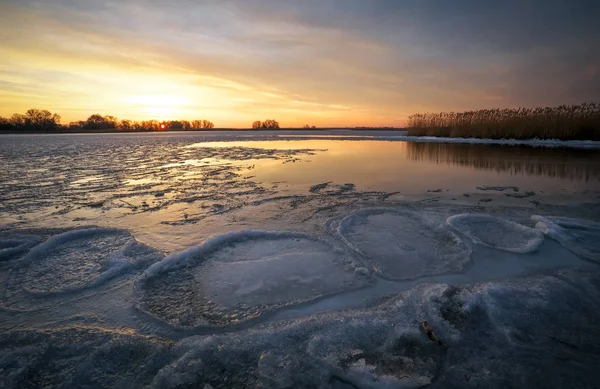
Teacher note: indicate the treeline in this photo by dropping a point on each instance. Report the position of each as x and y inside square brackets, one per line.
[573, 122]
[99, 122]
[46, 121]
[270, 123]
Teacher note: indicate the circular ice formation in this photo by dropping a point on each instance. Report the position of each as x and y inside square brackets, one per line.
[403, 244]
[15, 244]
[580, 236]
[80, 259]
[497, 233]
[242, 275]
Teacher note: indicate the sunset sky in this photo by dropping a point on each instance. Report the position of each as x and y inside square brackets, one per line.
[318, 62]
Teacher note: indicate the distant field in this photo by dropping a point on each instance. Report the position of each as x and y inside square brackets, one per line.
[574, 122]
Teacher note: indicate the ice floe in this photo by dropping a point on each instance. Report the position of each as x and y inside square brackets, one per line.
[80, 259]
[578, 235]
[404, 244]
[497, 233]
[13, 245]
[242, 275]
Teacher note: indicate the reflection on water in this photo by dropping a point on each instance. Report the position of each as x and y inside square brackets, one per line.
[415, 168]
[580, 165]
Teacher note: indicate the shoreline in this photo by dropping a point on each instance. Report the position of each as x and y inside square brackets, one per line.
[389, 134]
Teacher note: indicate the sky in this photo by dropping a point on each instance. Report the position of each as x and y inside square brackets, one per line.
[317, 62]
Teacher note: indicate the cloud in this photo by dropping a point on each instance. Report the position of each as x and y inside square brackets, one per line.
[340, 61]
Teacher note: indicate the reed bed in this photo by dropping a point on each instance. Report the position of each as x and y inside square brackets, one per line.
[565, 122]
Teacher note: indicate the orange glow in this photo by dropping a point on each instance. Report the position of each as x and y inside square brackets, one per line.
[157, 81]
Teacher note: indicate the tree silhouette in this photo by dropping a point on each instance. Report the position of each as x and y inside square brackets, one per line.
[153, 125]
[77, 125]
[198, 124]
[111, 121]
[5, 124]
[125, 125]
[18, 120]
[35, 119]
[269, 123]
[41, 119]
[96, 122]
[172, 125]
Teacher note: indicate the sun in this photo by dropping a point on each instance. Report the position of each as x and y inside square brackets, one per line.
[162, 126]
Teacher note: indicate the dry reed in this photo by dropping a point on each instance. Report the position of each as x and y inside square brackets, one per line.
[574, 122]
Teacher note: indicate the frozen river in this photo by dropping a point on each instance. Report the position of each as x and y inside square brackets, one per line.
[235, 259]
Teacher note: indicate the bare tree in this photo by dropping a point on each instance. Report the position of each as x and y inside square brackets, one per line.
[270, 123]
[78, 125]
[96, 122]
[18, 120]
[111, 121]
[36, 119]
[152, 125]
[125, 125]
[5, 124]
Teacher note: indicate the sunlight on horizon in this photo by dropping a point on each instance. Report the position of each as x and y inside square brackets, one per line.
[158, 106]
